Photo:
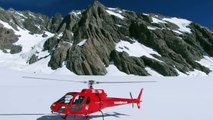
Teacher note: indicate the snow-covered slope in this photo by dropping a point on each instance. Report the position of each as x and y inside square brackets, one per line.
[104, 41]
[170, 98]
[33, 44]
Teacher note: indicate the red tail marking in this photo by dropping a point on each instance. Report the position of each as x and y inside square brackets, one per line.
[139, 98]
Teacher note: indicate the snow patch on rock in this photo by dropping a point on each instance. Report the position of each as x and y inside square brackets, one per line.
[181, 23]
[152, 72]
[156, 20]
[82, 42]
[135, 49]
[115, 14]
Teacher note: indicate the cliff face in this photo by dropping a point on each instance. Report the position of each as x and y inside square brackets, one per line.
[90, 40]
[99, 36]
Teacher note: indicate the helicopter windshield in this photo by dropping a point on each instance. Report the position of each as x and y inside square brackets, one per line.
[66, 99]
[78, 100]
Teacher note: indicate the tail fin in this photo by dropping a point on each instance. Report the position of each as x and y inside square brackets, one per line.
[139, 98]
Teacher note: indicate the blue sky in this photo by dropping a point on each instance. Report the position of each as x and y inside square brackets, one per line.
[199, 11]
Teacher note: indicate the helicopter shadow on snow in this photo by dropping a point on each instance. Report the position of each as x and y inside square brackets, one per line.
[72, 117]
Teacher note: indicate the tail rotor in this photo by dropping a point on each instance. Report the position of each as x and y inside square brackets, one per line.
[131, 98]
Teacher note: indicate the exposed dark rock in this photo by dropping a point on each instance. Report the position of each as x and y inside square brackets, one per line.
[54, 22]
[59, 55]
[83, 60]
[44, 35]
[33, 59]
[67, 36]
[103, 30]
[160, 67]
[15, 49]
[204, 37]
[127, 64]
[179, 51]
[69, 21]
[7, 38]
[51, 43]
[34, 22]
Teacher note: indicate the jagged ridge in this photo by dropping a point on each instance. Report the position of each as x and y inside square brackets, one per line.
[103, 28]
[90, 40]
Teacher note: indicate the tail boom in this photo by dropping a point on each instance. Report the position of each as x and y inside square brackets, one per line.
[123, 101]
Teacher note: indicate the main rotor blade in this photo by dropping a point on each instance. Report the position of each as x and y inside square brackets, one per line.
[52, 79]
[23, 114]
[126, 82]
[89, 81]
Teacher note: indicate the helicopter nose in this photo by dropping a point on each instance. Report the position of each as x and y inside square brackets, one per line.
[53, 106]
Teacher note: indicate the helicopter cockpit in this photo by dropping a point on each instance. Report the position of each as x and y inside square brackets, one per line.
[66, 99]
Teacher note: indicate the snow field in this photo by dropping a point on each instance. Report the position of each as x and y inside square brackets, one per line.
[169, 98]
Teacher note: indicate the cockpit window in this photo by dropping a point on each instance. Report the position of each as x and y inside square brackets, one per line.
[66, 99]
[88, 100]
[78, 100]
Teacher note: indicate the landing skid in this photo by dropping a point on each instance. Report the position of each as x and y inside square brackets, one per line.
[75, 117]
[64, 117]
[79, 117]
[102, 114]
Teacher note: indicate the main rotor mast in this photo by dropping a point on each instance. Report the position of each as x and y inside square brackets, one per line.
[90, 84]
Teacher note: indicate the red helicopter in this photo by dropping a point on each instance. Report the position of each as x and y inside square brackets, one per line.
[89, 100]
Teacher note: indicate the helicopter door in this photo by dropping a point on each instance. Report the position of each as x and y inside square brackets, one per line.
[78, 100]
[87, 104]
[78, 103]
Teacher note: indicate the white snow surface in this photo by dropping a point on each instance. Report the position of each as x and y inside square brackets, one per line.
[82, 42]
[20, 14]
[181, 23]
[176, 31]
[170, 98]
[76, 13]
[31, 44]
[207, 62]
[26, 40]
[156, 20]
[152, 28]
[135, 49]
[115, 14]
[112, 70]
[152, 72]
[112, 9]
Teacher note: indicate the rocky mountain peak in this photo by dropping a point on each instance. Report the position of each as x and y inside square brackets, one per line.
[54, 22]
[89, 41]
[100, 36]
[104, 28]
[96, 4]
